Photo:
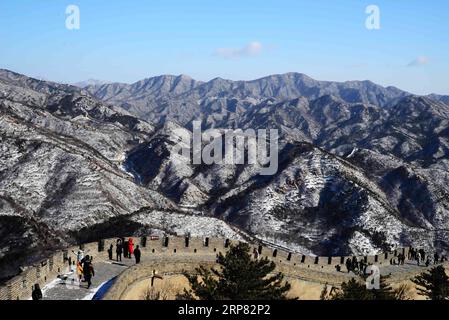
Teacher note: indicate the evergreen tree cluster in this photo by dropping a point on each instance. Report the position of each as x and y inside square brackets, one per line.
[433, 284]
[239, 277]
[356, 290]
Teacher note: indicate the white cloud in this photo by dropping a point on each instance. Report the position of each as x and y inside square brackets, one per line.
[250, 50]
[420, 61]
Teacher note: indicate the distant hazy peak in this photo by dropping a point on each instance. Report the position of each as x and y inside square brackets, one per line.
[90, 82]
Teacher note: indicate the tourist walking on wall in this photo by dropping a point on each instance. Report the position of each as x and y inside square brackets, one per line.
[79, 271]
[89, 271]
[362, 266]
[401, 259]
[110, 251]
[37, 292]
[85, 259]
[79, 255]
[422, 253]
[348, 265]
[130, 247]
[125, 249]
[137, 254]
[118, 250]
[436, 258]
[355, 264]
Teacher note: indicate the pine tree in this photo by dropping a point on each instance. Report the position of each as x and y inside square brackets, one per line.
[240, 277]
[356, 290]
[385, 291]
[352, 290]
[433, 284]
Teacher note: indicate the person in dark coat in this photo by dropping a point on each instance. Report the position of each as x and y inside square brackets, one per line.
[110, 251]
[436, 258]
[37, 292]
[89, 271]
[137, 254]
[85, 259]
[348, 265]
[125, 249]
[423, 255]
[118, 250]
[361, 265]
[401, 259]
[355, 264]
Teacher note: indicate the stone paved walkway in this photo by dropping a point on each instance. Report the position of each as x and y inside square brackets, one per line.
[106, 271]
[401, 269]
[398, 273]
[71, 289]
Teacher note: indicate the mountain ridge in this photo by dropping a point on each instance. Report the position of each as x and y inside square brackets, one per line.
[354, 177]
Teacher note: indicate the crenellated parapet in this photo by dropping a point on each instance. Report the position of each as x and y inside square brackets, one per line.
[179, 251]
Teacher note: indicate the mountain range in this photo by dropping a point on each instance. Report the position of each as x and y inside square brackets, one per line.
[362, 168]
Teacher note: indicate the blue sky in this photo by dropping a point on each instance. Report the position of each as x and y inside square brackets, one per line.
[236, 39]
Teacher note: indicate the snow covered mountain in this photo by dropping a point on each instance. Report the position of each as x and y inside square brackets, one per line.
[362, 168]
[317, 202]
[182, 99]
[357, 123]
[90, 82]
[61, 172]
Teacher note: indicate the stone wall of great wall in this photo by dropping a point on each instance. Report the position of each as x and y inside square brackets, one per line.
[175, 255]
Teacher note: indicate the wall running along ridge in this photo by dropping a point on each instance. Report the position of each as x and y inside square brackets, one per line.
[174, 255]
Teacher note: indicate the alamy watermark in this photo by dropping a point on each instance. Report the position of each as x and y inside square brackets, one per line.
[373, 20]
[73, 17]
[373, 279]
[230, 147]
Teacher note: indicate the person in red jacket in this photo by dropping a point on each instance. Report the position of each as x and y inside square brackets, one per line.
[131, 247]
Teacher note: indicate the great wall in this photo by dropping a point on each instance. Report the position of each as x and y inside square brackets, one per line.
[174, 255]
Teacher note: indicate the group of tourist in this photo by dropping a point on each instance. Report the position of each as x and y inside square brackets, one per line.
[355, 265]
[418, 255]
[421, 258]
[398, 260]
[125, 248]
[84, 268]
